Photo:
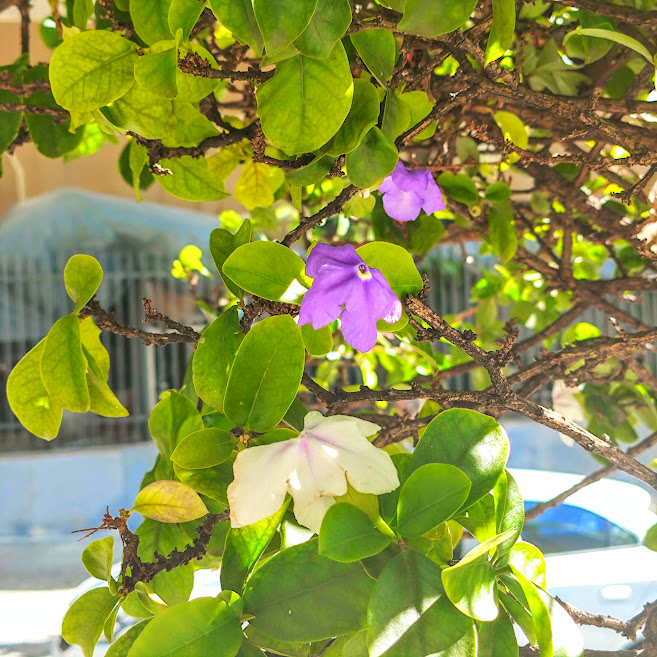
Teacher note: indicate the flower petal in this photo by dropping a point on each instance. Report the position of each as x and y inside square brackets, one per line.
[392, 307]
[370, 299]
[310, 513]
[369, 469]
[325, 256]
[322, 304]
[408, 180]
[402, 205]
[339, 423]
[359, 330]
[260, 484]
[432, 198]
[317, 476]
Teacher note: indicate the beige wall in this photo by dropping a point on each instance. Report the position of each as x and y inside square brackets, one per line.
[98, 172]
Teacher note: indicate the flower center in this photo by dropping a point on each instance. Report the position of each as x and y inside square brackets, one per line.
[364, 272]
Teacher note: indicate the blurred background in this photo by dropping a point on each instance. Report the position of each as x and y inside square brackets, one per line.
[51, 209]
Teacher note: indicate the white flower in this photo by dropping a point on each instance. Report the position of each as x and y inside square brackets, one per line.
[313, 467]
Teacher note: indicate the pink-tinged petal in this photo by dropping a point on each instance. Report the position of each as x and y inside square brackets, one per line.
[326, 257]
[401, 205]
[358, 330]
[432, 199]
[322, 304]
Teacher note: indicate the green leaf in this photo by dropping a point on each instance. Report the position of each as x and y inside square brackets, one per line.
[502, 32]
[214, 357]
[299, 595]
[92, 69]
[28, 398]
[431, 19]
[191, 180]
[82, 11]
[269, 270]
[151, 19]
[205, 627]
[287, 648]
[539, 612]
[10, 122]
[173, 418]
[238, 17]
[520, 615]
[409, 613]
[378, 50]
[497, 639]
[64, 367]
[395, 263]
[222, 244]
[473, 442]
[502, 230]
[137, 161]
[430, 496]
[184, 14]
[156, 72]
[53, 138]
[509, 510]
[311, 173]
[529, 560]
[142, 112]
[82, 276]
[306, 101]
[363, 115]
[121, 647]
[211, 482]
[282, 22]
[615, 36]
[650, 540]
[327, 25]
[396, 116]
[471, 583]
[419, 106]
[203, 449]
[348, 534]
[169, 501]
[513, 128]
[244, 546]
[374, 158]
[85, 618]
[472, 588]
[90, 338]
[191, 87]
[460, 187]
[253, 188]
[266, 374]
[98, 558]
[317, 342]
[498, 191]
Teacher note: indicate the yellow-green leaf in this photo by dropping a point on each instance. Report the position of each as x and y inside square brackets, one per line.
[169, 501]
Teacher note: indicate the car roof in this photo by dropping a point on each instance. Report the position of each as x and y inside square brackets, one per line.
[626, 505]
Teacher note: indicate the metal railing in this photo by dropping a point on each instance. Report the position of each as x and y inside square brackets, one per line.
[32, 298]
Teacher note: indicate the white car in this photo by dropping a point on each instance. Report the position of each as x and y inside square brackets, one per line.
[593, 548]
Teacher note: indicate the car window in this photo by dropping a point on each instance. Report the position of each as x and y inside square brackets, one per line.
[568, 528]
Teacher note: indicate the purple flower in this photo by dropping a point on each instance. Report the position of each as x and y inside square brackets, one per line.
[406, 192]
[343, 279]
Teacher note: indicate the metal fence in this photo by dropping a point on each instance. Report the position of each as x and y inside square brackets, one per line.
[32, 297]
